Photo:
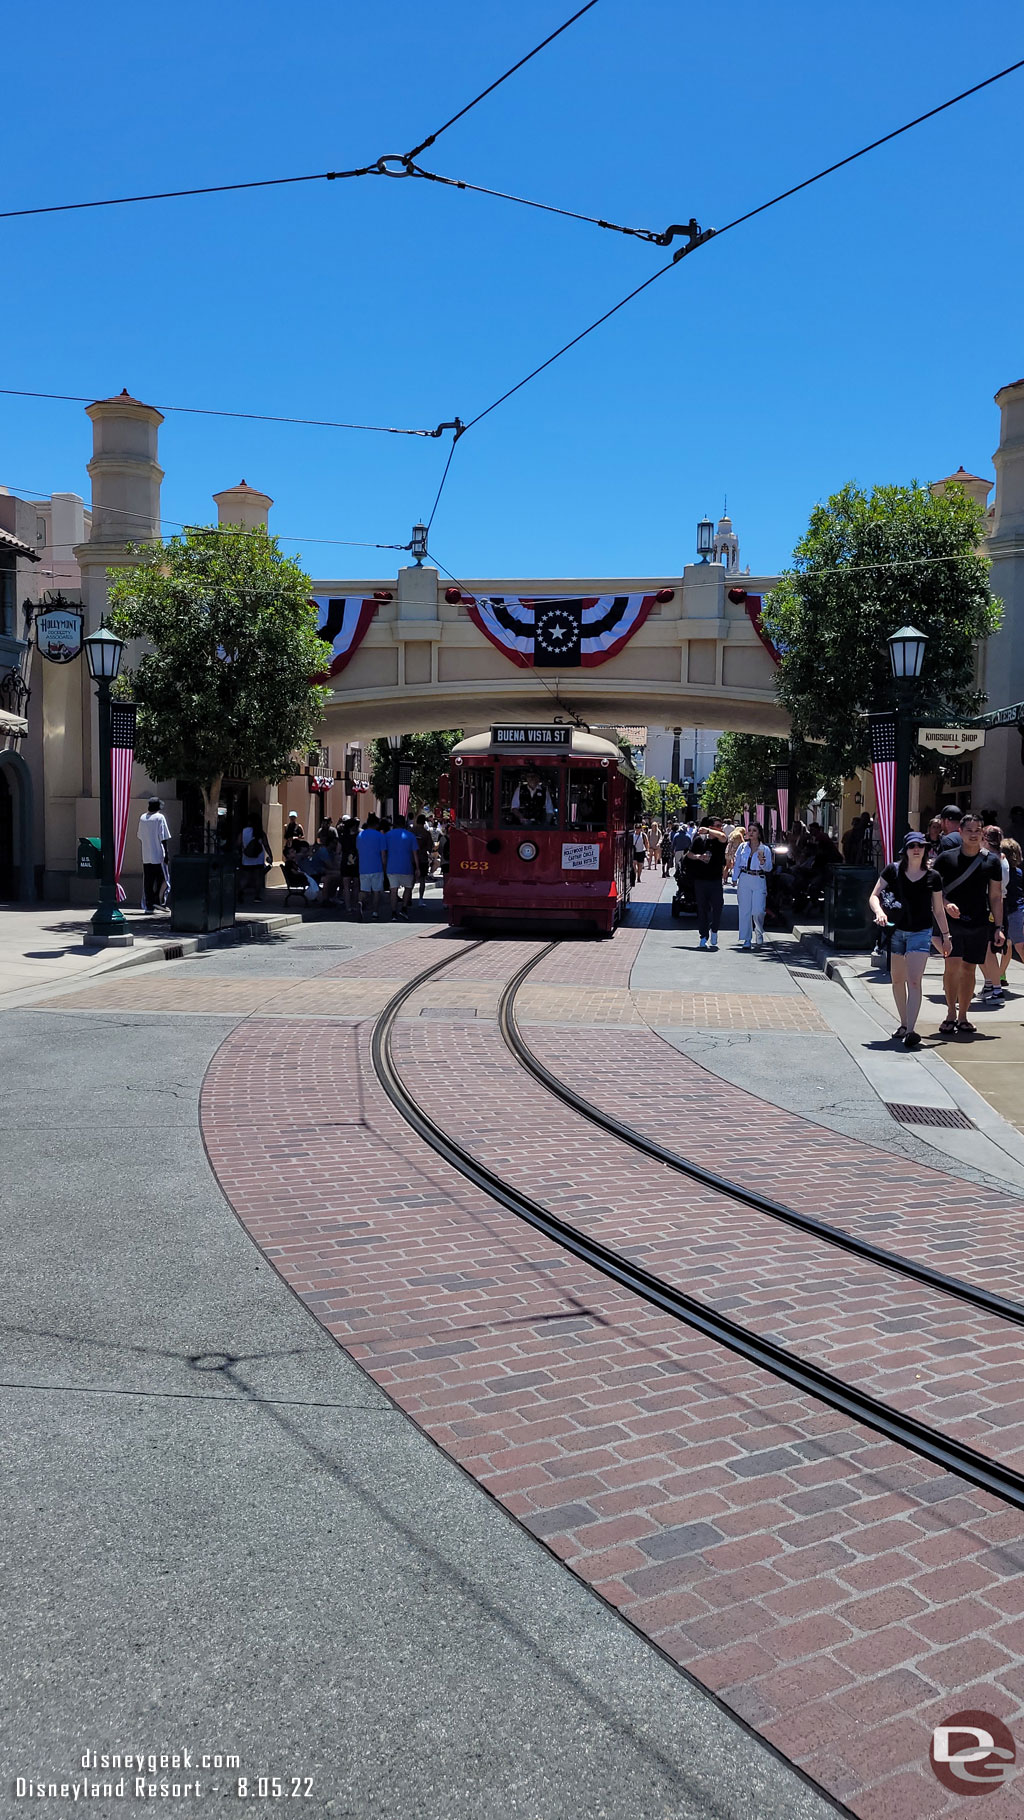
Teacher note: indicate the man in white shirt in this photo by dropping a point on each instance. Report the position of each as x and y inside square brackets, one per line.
[155, 838]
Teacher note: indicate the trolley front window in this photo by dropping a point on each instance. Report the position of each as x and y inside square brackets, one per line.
[529, 796]
[588, 800]
[474, 806]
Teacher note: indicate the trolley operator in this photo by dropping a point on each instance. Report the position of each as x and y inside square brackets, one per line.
[532, 803]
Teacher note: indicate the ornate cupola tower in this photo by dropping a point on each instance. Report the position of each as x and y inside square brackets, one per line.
[727, 546]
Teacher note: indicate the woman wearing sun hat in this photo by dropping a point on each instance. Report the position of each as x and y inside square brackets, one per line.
[907, 899]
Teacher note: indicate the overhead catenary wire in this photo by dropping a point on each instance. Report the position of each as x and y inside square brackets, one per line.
[195, 410]
[489, 90]
[377, 169]
[35, 496]
[748, 215]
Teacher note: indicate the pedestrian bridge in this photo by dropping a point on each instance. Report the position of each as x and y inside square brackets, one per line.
[409, 654]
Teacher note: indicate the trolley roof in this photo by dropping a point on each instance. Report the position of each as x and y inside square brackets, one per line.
[577, 745]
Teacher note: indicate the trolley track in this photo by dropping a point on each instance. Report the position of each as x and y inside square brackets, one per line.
[978, 1469]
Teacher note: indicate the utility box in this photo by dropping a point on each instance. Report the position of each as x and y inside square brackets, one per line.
[848, 919]
[89, 862]
[203, 888]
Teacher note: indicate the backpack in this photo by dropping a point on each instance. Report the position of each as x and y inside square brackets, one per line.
[253, 848]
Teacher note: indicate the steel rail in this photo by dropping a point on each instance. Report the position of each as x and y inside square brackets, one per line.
[984, 1299]
[917, 1437]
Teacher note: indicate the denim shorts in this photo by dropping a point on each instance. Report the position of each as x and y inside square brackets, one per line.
[911, 941]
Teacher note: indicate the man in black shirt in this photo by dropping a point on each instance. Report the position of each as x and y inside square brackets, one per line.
[972, 886]
[705, 868]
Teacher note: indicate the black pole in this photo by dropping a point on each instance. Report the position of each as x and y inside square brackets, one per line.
[904, 748]
[395, 762]
[107, 923]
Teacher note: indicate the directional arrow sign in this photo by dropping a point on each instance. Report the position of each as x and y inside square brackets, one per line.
[950, 741]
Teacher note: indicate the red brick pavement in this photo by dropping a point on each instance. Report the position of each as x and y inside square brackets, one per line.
[920, 1351]
[841, 1595]
[900, 1204]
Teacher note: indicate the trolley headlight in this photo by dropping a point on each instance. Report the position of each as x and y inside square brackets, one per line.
[527, 849]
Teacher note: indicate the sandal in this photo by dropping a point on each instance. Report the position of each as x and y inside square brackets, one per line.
[898, 1035]
[912, 1040]
[966, 1029]
[947, 1027]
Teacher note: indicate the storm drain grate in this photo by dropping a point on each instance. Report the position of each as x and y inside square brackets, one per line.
[807, 973]
[176, 953]
[931, 1115]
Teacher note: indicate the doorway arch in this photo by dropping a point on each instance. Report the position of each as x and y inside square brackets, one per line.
[17, 875]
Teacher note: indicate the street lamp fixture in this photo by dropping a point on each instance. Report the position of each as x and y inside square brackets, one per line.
[418, 545]
[103, 653]
[906, 654]
[705, 538]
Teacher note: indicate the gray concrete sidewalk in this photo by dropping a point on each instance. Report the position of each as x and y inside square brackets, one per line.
[44, 945]
[846, 1075]
[223, 1538]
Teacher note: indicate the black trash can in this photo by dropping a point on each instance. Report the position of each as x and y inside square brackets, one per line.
[202, 892]
[848, 919]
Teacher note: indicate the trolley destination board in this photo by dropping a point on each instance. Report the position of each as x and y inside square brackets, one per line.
[531, 736]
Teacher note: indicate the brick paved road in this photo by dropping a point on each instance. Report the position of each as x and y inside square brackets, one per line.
[841, 1595]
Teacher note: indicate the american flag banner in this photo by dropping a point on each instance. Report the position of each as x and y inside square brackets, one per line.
[746, 817]
[122, 754]
[403, 799]
[775, 822]
[783, 795]
[883, 764]
[760, 817]
[343, 621]
[561, 632]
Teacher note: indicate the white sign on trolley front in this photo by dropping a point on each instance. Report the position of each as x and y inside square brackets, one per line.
[584, 856]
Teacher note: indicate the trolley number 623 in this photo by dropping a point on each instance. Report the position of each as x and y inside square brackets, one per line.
[274, 1788]
[474, 865]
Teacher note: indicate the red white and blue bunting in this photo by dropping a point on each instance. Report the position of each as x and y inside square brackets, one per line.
[343, 621]
[560, 632]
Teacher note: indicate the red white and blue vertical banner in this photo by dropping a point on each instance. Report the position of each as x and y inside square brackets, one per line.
[783, 795]
[343, 621]
[560, 632]
[746, 817]
[122, 756]
[760, 818]
[403, 798]
[883, 764]
[773, 812]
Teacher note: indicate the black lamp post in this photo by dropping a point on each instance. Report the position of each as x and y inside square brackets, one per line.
[395, 742]
[906, 653]
[104, 650]
[705, 538]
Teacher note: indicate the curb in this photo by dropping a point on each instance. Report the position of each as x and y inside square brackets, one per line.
[990, 1123]
[254, 929]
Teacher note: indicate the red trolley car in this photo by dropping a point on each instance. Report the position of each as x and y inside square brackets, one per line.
[538, 832]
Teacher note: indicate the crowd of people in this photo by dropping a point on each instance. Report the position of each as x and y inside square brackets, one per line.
[360, 869]
[957, 890]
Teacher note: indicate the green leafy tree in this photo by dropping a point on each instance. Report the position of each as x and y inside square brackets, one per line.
[428, 753]
[868, 564]
[675, 798]
[227, 686]
[744, 772]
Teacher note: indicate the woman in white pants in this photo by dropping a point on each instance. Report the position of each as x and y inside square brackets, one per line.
[752, 863]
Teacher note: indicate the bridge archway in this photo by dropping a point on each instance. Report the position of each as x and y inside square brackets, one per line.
[422, 661]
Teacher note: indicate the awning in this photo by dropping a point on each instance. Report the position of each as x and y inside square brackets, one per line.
[8, 541]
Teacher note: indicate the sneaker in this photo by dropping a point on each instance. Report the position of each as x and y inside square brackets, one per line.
[988, 992]
[703, 942]
[745, 946]
[714, 941]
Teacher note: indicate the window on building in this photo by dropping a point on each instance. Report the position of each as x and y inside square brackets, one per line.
[8, 601]
[474, 806]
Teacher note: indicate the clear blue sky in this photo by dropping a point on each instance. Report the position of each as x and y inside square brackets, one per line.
[857, 331]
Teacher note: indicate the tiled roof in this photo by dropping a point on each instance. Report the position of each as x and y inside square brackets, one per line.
[8, 541]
